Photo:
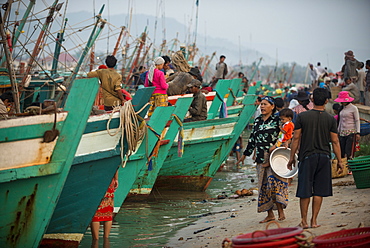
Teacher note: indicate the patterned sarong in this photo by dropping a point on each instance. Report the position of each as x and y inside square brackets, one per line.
[105, 210]
[271, 189]
[157, 100]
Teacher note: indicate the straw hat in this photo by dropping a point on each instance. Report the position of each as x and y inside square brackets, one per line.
[343, 96]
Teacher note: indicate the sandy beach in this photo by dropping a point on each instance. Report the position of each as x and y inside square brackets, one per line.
[348, 208]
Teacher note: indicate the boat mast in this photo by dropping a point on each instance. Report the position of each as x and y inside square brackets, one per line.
[118, 41]
[58, 46]
[255, 70]
[40, 40]
[93, 36]
[142, 42]
[18, 30]
[291, 74]
[9, 60]
[207, 63]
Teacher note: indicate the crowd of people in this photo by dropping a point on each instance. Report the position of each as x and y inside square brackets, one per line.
[351, 78]
[312, 121]
[299, 119]
[306, 127]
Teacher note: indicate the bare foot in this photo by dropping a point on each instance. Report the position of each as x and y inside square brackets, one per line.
[281, 218]
[304, 226]
[314, 224]
[267, 219]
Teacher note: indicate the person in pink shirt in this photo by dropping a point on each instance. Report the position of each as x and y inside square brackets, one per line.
[156, 78]
[348, 125]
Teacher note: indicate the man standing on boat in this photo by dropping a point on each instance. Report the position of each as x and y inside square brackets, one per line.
[314, 130]
[314, 74]
[110, 83]
[198, 108]
[221, 71]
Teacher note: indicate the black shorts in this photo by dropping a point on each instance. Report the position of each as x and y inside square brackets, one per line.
[314, 176]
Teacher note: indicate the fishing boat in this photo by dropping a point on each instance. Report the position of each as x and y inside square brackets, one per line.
[206, 144]
[97, 159]
[33, 172]
[147, 176]
[141, 162]
[218, 133]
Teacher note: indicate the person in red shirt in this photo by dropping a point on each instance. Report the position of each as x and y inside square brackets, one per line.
[286, 129]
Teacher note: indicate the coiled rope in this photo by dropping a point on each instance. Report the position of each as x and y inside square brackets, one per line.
[129, 127]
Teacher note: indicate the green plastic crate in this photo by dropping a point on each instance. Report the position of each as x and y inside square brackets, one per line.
[361, 175]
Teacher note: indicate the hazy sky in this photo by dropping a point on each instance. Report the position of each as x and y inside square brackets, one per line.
[292, 30]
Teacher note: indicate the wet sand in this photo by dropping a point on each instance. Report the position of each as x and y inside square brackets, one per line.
[348, 208]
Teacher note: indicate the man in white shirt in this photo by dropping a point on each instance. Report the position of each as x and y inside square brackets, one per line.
[221, 71]
[320, 68]
[314, 73]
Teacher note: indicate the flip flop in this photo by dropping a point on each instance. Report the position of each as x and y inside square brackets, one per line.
[266, 220]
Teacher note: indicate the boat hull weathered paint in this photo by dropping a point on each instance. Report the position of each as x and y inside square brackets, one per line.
[146, 178]
[207, 145]
[97, 159]
[29, 193]
[127, 175]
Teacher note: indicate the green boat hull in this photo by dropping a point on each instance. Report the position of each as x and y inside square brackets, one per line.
[29, 192]
[146, 178]
[205, 150]
[138, 161]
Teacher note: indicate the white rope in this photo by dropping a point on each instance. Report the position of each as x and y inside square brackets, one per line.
[129, 127]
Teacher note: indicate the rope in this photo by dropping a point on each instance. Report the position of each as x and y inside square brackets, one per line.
[129, 128]
[155, 150]
[179, 61]
[234, 96]
[180, 137]
[223, 109]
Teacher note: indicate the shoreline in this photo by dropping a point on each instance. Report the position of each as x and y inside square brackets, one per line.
[348, 208]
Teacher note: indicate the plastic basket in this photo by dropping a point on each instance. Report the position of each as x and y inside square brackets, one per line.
[357, 237]
[267, 235]
[290, 242]
[361, 176]
[362, 159]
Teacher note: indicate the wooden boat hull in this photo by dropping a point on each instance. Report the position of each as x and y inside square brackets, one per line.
[139, 161]
[207, 145]
[96, 161]
[29, 191]
[144, 183]
[213, 133]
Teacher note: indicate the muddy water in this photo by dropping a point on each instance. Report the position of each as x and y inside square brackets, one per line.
[151, 223]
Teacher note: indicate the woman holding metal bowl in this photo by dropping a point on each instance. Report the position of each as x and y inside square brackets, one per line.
[272, 189]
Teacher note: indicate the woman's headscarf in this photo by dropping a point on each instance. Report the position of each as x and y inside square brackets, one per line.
[157, 61]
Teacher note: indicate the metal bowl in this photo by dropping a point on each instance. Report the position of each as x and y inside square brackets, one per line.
[279, 159]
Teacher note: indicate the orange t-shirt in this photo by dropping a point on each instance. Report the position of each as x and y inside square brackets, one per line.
[288, 128]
